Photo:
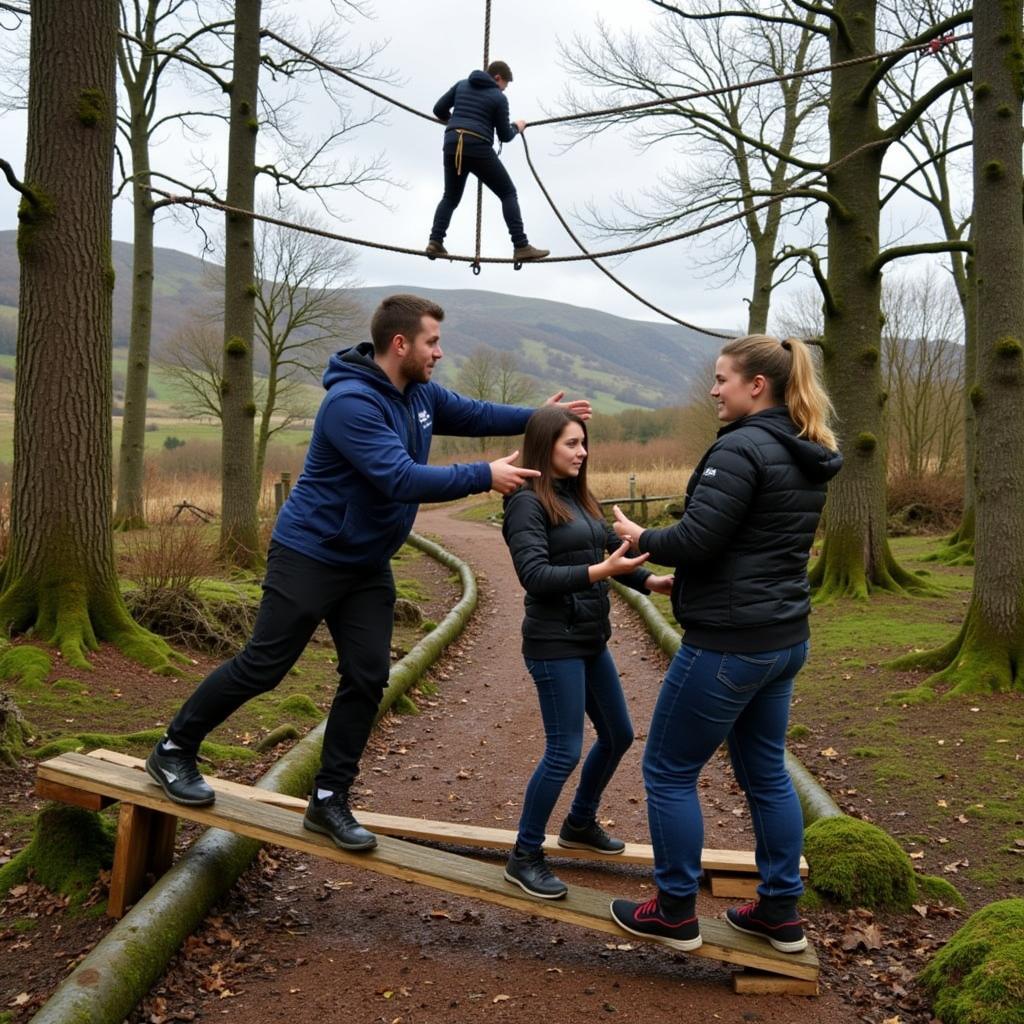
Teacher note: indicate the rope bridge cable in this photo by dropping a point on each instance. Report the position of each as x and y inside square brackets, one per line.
[194, 201]
[770, 198]
[600, 266]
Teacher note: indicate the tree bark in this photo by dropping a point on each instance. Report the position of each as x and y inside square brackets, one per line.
[239, 536]
[987, 654]
[855, 557]
[59, 576]
[130, 513]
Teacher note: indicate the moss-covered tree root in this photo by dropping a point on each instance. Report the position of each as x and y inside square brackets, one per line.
[15, 732]
[977, 660]
[840, 571]
[69, 847]
[978, 976]
[122, 967]
[75, 620]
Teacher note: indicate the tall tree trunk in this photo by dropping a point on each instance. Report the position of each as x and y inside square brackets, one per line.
[59, 575]
[239, 536]
[855, 557]
[988, 653]
[130, 513]
[959, 548]
[761, 290]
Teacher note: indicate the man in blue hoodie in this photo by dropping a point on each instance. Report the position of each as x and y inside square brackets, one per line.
[329, 561]
[472, 111]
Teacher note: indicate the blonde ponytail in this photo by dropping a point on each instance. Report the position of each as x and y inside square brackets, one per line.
[789, 368]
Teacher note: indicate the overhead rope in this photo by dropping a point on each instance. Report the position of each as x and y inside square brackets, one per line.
[929, 48]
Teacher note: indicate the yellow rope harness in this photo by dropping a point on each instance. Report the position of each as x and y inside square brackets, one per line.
[462, 133]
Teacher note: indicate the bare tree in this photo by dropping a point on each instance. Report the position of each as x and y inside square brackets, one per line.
[720, 167]
[923, 367]
[303, 312]
[153, 37]
[494, 376]
[986, 655]
[59, 577]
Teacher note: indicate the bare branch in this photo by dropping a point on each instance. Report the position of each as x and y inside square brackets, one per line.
[898, 251]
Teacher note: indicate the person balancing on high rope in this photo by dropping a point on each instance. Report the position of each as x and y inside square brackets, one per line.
[472, 111]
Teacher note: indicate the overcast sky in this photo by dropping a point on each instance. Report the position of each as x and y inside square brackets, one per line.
[431, 45]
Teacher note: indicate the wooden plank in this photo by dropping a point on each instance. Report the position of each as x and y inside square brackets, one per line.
[437, 869]
[461, 833]
[730, 885]
[67, 795]
[758, 983]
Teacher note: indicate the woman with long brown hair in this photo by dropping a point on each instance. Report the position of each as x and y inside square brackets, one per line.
[564, 553]
[742, 596]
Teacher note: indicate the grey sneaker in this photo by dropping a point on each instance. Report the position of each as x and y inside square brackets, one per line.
[529, 870]
[177, 774]
[590, 836]
[332, 817]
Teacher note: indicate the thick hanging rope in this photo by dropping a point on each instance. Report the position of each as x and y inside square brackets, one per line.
[479, 183]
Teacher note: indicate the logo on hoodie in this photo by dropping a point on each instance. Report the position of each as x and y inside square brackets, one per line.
[424, 418]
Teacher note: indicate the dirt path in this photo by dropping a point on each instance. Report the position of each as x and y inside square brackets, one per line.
[301, 939]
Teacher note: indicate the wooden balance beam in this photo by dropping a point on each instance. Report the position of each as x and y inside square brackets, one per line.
[145, 844]
[730, 873]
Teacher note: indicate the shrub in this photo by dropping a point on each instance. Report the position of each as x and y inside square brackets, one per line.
[171, 442]
[928, 504]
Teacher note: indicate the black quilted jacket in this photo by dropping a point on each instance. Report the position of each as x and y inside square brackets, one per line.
[478, 104]
[740, 550]
[566, 614]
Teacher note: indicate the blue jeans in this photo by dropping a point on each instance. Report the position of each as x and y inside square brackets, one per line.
[568, 688]
[707, 697]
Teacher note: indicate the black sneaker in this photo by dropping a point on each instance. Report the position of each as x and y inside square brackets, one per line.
[435, 249]
[332, 817]
[529, 870]
[652, 921]
[774, 920]
[177, 774]
[588, 837]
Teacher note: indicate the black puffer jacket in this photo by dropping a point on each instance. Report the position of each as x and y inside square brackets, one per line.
[475, 103]
[566, 614]
[740, 550]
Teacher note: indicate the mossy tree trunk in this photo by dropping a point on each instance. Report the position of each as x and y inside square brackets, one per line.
[130, 513]
[988, 653]
[239, 536]
[59, 576]
[855, 558]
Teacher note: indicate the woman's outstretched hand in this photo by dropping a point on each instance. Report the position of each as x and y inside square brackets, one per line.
[625, 529]
[618, 563]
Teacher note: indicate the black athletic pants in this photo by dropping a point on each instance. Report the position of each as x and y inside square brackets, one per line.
[298, 594]
[481, 160]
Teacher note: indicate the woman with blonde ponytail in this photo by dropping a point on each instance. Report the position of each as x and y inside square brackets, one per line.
[739, 555]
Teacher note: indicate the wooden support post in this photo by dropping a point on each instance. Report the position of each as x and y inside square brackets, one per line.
[48, 790]
[278, 496]
[759, 983]
[733, 886]
[145, 846]
[643, 507]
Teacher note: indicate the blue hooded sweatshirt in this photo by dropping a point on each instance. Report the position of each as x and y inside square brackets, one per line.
[365, 473]
[478, 104]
